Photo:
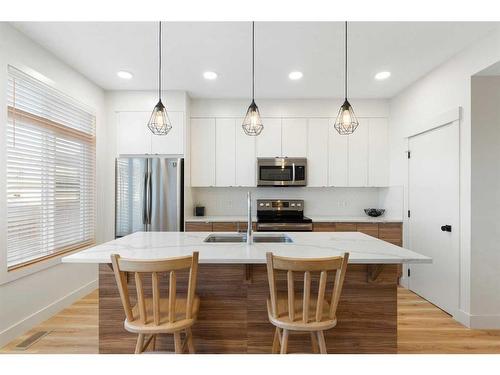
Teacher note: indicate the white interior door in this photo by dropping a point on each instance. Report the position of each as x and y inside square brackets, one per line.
[433, 198]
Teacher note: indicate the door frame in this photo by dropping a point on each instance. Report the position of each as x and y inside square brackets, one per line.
[433, 123]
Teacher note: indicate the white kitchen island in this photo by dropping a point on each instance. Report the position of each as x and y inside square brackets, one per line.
[232, 286]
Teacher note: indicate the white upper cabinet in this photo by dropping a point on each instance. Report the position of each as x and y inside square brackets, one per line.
[133, 135]
[246, 163]
[338, 151]
[225, 147]
[358, 155]
[269, 141]
[294, 137]
[378, 152]
[223, 155]
[173, 142]
[135, 138]
[203, 152]
[317, 152]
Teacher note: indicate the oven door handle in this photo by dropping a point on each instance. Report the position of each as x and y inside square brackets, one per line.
[284, 225]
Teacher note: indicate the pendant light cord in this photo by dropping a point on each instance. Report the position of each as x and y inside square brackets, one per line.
[345, 82]
[253, 60]
[159, 61]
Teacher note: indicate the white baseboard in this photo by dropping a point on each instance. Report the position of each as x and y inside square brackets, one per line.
[462, 317]
[485, 321]
[45, 313]
[477, 321]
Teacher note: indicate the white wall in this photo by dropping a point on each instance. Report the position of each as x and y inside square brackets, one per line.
[485, 194]
[33, 294]
[445, 88]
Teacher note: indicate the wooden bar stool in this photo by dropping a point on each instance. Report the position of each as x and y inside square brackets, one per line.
[152, 316]
[287, 313]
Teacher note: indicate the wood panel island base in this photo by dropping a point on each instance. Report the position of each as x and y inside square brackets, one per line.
[233, 315]
[233, 288]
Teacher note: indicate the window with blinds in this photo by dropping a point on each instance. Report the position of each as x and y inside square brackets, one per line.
[50, 171]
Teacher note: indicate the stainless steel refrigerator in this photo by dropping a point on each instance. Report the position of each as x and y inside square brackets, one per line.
[149, 195]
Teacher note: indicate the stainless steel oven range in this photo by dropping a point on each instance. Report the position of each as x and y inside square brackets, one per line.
[282, 215]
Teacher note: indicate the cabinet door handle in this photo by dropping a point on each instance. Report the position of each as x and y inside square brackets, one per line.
[446, 228]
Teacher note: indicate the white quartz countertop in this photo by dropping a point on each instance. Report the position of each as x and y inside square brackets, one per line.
[157, 245]
[315, 218]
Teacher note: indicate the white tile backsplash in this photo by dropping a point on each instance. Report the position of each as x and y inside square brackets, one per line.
[318, 201]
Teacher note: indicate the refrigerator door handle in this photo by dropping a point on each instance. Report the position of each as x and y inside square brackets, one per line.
[150, 197]
[145, 201]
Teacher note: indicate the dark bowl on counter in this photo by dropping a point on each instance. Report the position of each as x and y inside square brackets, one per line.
[374, 212]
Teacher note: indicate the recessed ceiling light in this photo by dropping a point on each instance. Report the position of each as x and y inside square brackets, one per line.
[210, 75]
[382, 75]
[124, 74]
[295, 76]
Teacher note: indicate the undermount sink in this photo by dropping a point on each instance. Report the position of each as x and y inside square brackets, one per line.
[280, 238]
[226, 238]
[232, 238]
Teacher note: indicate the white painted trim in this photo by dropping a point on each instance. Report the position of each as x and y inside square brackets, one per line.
[462, 317]
[485, 321]
[45, 313]
[436, 122]
[477, 321]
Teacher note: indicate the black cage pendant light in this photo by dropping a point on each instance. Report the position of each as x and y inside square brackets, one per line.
[346, 122]
[159, 123]
[252, 123]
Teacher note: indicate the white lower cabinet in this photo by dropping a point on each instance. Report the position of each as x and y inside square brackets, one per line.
[225, 148]
[135, 138]
[358, 155]
[203, 152]
[317, 152]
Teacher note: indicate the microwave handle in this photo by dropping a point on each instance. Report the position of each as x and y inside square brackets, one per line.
[293, 172]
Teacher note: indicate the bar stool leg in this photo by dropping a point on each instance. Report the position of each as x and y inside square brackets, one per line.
[189, 338]
[177, 342]
[321, 341]
[284, 342]
[276, 341]
[314, 342]
[139, 344]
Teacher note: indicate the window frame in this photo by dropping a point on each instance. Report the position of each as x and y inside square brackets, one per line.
[29, 266]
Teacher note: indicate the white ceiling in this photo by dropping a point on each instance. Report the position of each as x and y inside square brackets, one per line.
[492, 70]
[408, 49]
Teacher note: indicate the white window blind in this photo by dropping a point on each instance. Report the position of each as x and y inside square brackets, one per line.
[50, 171]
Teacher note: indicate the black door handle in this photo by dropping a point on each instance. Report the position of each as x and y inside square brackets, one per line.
[446, 228]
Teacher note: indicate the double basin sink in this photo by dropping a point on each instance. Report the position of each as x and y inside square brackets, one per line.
[242, 237]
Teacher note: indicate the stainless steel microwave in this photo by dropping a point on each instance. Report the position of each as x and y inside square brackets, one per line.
[281, 172]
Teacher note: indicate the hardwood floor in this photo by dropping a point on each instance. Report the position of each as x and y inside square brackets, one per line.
[422, 328]
[72, 331]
